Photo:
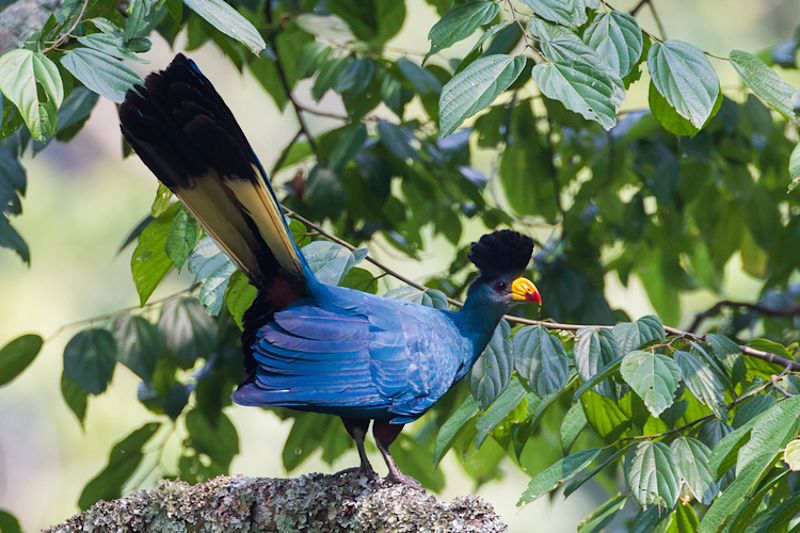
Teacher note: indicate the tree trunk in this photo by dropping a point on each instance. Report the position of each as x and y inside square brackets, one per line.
[344, 502]
[23, 18]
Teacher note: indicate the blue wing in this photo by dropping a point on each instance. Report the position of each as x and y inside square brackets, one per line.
[353, 354]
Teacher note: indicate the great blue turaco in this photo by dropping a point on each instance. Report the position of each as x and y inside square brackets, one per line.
[308, 345]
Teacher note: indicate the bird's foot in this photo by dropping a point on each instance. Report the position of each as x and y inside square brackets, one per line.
[399, 478]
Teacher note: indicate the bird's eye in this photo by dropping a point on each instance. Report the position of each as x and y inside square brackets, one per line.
[500, 286]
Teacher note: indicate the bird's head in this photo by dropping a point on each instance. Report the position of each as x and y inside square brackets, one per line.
[501, 258]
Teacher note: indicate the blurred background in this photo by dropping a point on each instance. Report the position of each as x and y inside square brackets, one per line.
[83, 199]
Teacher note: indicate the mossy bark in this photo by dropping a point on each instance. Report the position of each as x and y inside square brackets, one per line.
[317, 503]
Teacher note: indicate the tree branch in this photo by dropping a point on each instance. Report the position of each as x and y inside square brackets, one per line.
[751, 352]
[343, 502]
[756, 308]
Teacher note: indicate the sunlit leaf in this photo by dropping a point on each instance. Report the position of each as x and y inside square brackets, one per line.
[652, 474]
[226, 19]
[653, 376]
[23, 73]
[459, 23]
[617, 38]
[702, 382]
[691, 457]
[765, 83]
[102, 73]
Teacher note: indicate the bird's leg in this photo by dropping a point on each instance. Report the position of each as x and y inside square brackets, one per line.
[357, 429]
[385, 434]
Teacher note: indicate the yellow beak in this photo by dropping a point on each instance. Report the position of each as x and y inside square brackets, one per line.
[523, 289]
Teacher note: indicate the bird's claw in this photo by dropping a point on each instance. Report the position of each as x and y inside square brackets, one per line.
[361, 471]
[399, 478]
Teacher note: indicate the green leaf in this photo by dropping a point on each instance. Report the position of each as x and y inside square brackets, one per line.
[791, 455]
[735, 494]
[598, 520]
[765, 83]
[540, 359]
[572, 425]
[103, 74]
[776, 517]
[691, 457]
[213, 270]
[773, 429]
[702, 382]
[581, 87]
[617, 38]
[218, 440]
[162, 201]
[476, 87]
[150, 262]
[139, 343]
[554, 475]
[794, 169]
[9, 238]
[188, 331]
[75, 397]
[453, 427]
[728, 354]
[584, 476]
[239, 297]
[632, 335]
[109, 44]
[90, 358]
[17, 355]
[361, 280]
[608, 370]
[226, 19]
[459, 23]
[9, 523]
[595, 349]
[685, 78]
[23, 74]
[303, 438]
[429, 297]
[504, 404]
[570, 13]
[412, 457]
[184, 232]
[375, 22]
[605, 416]
[723, 454]
[653, 376]
[330, 261]
[652, 474]
[492, 371]
[125, 457]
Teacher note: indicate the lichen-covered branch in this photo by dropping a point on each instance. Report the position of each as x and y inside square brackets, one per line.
[21, 19]
[344, 502]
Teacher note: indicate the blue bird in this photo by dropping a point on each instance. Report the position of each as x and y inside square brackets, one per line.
[307, 345]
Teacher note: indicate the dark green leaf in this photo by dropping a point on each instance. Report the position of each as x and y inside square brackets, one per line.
[702, 382]
[504, 404]
[540, 360]
[572, 425]
[9, 238]
[90, 358]
[476, 87]
[459, 23]
[218, 440]
[105, 75]
[360, 280]
[598, 519]
[330, 261]
[584, 476]
[652, 474]
[492, 371]
[685, 78]
[226, 19]
[772, 431]
[9, 523]
[556, 474]
[17, 355]
[691, 457]
[605, 416]
[453, 427]
[414, 459]
[139, 344]
[122, 463]
[188, 331]
[75, 397]
[595, 349]
[376, 21]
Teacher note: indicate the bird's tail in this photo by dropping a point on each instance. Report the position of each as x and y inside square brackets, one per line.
[186, 135]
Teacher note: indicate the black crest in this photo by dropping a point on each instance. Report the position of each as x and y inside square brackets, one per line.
[501, 252]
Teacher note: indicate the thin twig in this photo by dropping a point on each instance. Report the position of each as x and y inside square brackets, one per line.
[64, 36]
[659, 24]
[284, 154]
[756, 308]
[638, 6]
